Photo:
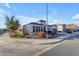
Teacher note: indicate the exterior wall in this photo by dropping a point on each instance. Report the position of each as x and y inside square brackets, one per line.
[64, 27]
[29, 28]
[61, 27]
[70, 27]
[39, 27]
[75, 28]
[51, 28]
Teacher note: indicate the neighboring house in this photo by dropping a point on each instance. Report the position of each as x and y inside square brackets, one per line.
[72, 27]
[52, 28]
[39, 26]
[20, 30]
[77, 28]
[67, 27]
[61, 27]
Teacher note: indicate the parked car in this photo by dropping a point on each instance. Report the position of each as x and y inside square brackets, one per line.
[68, 30]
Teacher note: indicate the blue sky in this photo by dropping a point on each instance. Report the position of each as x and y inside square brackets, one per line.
[64, 12]
[30, 12]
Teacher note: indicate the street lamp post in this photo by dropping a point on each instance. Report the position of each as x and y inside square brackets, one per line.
[47, 20]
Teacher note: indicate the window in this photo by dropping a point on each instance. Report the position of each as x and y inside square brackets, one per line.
[36, 28]
[44, 29]
[33, 28]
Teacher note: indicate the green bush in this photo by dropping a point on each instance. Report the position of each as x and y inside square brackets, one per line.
[28, 36]
[59, 31]
[18, 35]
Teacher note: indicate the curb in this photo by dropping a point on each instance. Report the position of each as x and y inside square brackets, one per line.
[49, 41]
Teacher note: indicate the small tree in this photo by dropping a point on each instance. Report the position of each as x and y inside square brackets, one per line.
[12, 24]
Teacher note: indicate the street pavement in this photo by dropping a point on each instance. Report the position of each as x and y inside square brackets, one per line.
[23, 47]
[67, 48]
[26, 47]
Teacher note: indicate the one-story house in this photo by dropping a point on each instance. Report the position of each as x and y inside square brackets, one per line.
[39, 26]
[61, 27]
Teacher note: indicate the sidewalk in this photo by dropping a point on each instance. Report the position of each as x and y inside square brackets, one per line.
[34, 41]
[41, 41]
[58, 39]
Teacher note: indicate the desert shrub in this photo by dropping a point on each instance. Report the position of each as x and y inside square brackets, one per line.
[18, 35]
[28, 36]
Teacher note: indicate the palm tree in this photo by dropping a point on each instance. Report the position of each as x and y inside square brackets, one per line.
[12, 24]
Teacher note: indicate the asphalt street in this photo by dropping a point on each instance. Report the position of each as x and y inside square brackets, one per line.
[67, 48]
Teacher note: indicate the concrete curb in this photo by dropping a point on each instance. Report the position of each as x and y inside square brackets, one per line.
[46, 41]
[51, 41]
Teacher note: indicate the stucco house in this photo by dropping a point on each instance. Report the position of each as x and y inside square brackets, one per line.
[61, 27]
[39, 26]
[72, 27]
[20, 30]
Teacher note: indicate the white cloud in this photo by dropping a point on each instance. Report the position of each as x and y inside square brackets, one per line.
[2, 17]
[7, 5]
[25, 19]
[3, 12]
[22, 19]
[76, 17]
[75, 22]
[53, 11]
[55, 21]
